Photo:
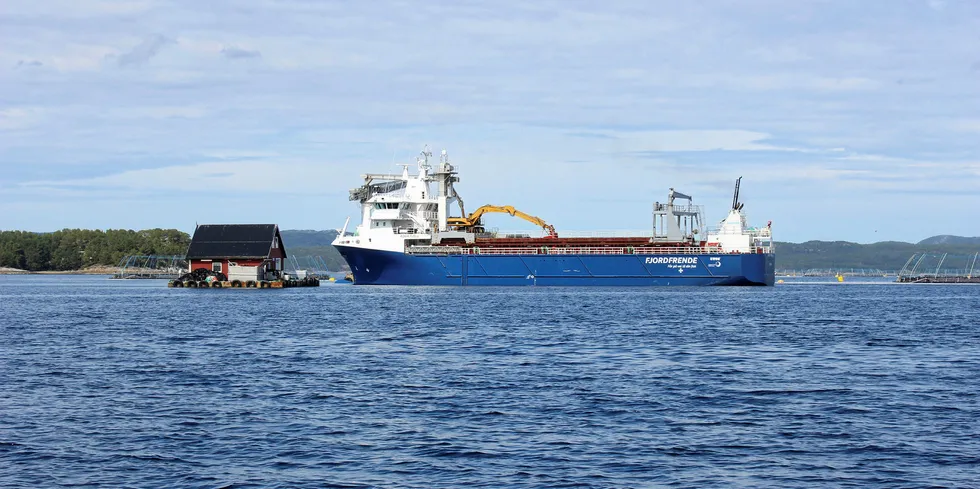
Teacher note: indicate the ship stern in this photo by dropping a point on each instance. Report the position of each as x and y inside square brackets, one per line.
[759, 269]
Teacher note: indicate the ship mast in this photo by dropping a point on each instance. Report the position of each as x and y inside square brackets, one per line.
[445, 176]
[736, 206]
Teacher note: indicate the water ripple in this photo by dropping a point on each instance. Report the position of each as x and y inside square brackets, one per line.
[130, 384]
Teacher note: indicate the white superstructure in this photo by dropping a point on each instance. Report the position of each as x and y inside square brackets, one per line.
[735, 235]
[400, 211]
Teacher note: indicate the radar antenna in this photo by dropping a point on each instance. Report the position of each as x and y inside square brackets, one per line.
[423, 158]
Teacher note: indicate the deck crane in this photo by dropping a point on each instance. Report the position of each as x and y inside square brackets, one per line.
[473, 223]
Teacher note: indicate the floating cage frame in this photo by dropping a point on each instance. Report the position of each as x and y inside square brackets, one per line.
[846, 272]
[151, 266]
[312, 264]
[941, 268]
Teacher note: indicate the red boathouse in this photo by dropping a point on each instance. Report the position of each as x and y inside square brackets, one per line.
[240, 251]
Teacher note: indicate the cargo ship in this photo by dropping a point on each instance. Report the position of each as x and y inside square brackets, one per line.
[408, 237]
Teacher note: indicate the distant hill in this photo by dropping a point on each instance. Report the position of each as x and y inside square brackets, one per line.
[302, 238]
[886, 255]
[946, 239]
[302, 242]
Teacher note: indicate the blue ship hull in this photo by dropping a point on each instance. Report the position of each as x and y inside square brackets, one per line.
[373, 267]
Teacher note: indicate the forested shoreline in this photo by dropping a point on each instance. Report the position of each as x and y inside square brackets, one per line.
[77, 249]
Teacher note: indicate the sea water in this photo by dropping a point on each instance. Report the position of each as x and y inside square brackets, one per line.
[108, 383]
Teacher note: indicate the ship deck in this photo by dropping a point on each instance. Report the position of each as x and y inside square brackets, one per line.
[614, 242]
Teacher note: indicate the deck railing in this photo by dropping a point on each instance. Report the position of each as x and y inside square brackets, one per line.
[538, 233]
[763, 232]
[547, 250]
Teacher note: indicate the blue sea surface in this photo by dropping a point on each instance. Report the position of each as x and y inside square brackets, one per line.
[111, 383]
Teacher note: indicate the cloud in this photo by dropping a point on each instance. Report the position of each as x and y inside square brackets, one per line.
[675, 141]
[869, 158]
[233, 52]
[242, 176]
[143, 51]
[779, 54]
[791, 82]
[20, 117]
[641, 95]
[965, 125]
[86, 10]
[240, 155]
[156, 112]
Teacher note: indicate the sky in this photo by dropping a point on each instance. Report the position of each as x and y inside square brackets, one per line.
[848, 120]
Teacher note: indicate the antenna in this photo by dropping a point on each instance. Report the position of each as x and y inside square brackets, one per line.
[423, 159]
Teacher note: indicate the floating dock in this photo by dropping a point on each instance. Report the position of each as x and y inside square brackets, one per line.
[248, 284]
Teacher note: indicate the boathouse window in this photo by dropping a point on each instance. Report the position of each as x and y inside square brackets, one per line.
[216, 266]
[275, 242]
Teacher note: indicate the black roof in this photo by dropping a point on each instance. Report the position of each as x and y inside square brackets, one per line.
[233, 241]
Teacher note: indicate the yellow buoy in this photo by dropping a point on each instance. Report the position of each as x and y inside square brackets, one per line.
[840, 278]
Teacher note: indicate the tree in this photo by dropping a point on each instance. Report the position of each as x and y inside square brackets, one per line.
[72, 249]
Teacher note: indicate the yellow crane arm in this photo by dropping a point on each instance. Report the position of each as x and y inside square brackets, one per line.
[474, 218]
